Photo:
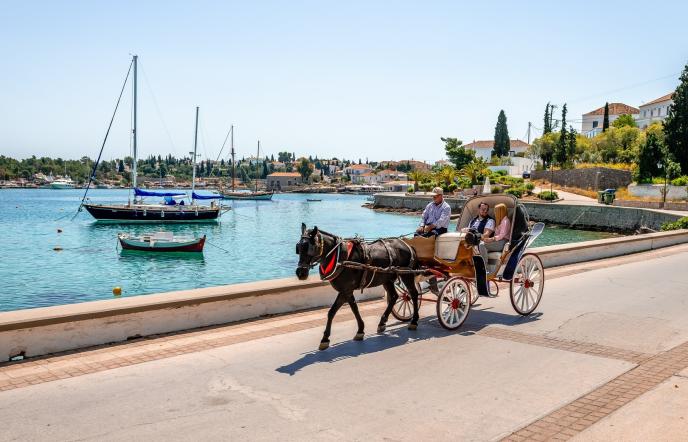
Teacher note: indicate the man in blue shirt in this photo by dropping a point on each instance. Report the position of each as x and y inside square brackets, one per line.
[435, 216]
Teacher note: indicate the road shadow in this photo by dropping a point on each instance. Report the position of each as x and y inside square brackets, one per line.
[398, 335]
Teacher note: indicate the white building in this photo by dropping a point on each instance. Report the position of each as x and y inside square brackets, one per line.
[655, 110]
[483, 148]
[593, 120]
[365, 178]
[357, 169]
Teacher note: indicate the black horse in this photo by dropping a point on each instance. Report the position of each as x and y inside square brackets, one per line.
[329, 251]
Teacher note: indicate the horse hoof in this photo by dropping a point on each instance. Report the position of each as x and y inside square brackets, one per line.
[412, 326]
[324, 345]
[358, 337]
[381, 328]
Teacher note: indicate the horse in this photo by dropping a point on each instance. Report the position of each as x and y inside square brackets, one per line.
[319, 247]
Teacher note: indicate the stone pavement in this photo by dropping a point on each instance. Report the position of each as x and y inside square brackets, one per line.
[605, 357]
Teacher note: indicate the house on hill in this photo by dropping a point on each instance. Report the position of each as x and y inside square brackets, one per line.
[655, 110]
[593, 120]
[484, 148]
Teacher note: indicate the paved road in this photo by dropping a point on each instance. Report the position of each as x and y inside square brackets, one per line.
[598, 343]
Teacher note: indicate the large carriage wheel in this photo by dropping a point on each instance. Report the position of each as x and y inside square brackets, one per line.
[453, 303]
[527, 284]
[403, 308]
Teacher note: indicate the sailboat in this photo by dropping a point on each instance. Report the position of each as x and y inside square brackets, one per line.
[169, 210]
[254, 195]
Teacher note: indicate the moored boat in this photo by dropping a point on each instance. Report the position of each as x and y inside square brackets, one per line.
[161, 242]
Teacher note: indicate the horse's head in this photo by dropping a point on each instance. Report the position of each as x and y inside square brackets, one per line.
[310, 250]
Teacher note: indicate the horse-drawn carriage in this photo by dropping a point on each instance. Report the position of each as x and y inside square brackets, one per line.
[459, 275]
[410, 269]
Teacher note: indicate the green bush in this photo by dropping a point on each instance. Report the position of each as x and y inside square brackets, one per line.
[515, 191]
[680, 181]
[529, 187]
[410, 189]
[463, 182]
[496, 189]
[681, 223]
[452, 187]
[548, 196]
[501, 172]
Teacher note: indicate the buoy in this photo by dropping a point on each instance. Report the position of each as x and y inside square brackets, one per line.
[117, 291]
[57, 248]
[59, 230]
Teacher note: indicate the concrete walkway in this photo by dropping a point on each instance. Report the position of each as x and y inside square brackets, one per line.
[605, 357]
[568, 197]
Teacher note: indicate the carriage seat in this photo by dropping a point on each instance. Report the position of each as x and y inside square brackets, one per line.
[447, 245]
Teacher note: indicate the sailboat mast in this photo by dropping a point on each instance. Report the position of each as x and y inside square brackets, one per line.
[257, 173]
[193, 160]
[133, 131]
[233, 160]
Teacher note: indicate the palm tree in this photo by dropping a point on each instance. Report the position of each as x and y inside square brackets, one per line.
[445, 175]
[417, 176]
[475, 169]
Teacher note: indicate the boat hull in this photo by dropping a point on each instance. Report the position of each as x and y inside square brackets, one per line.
[249, 196]
[157, 214]
[61, 186]
[164, 247]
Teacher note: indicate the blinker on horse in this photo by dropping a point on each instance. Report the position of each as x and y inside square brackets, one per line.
[349, 264]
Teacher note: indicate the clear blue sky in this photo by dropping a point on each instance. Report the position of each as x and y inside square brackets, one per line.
[383, 80]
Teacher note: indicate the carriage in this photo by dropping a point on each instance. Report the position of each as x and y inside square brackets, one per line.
[455, 275]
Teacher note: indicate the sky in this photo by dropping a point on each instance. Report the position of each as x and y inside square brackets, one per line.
[369, 79]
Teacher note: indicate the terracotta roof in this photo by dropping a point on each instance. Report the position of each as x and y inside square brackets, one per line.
[366, 174]
[490, 143]
[286, 174]
[389, 171]
[360, 166]
[666, 97]
[615, 109]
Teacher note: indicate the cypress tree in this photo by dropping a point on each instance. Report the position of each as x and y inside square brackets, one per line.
[502, 144]
[560, 156]
[649, 155]
[571, 146]
[605, 121]
[676, 123]
[548, 121]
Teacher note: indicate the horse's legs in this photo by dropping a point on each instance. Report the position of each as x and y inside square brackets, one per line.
[392, 296]
[354, 308]
[341, 297]
[410, 284]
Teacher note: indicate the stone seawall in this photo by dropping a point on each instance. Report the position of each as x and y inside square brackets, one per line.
[589, 217]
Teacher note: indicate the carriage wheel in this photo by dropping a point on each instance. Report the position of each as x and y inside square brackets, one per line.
[403, 308]
[453, 303]
[527, 284]
[492, 286]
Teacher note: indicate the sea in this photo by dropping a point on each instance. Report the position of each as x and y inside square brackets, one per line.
[53, 255]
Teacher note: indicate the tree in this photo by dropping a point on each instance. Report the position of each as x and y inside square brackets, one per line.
[649, 156]
[676, 123]
[624, 120]
[475, 170]
[120, 168]
[266, 172]
[457, 153]
[305, 169]
[543, 148]
[560, 152]
[571, 147]
[283, 157]
[547, 128]
[501, 137]
[605, 121]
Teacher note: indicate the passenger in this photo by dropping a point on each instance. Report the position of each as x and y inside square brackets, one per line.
[483, 223]
[435, 216]
[501, 235]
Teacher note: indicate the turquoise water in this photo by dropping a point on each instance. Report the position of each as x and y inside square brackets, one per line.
[253, 241]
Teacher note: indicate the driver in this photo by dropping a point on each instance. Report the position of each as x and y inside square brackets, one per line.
[435, 216]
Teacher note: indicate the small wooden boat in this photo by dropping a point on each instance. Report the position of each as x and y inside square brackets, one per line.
[161, 242]
[312, 200]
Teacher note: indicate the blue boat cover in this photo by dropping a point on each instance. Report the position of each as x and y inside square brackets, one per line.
[141, 192]
[196, 196]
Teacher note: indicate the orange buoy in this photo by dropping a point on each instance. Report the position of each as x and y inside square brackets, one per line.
[117, 291]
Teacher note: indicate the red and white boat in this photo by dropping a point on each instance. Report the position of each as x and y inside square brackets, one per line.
[161, 242]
